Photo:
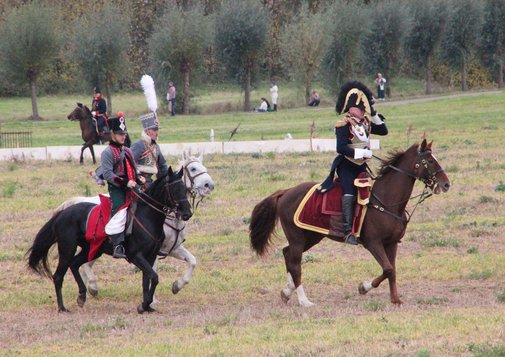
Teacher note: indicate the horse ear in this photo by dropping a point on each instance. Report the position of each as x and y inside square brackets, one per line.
[423, 146]
[170, 171]
[79, 105]
[200, 157]
[180, 173]
[429, 145]
[185, 155]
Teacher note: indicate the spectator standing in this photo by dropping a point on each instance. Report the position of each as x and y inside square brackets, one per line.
[381, 84]
[171, 97]
[274, 94]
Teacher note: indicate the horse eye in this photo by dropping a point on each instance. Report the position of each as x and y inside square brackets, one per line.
[193, 169]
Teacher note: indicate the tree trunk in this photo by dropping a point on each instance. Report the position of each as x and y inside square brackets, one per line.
[500, 75]
[388, 86]
[247, 91]
[185, 104]
[35, 109]
[464, 84]
[107, 95]
[307, 89]
[429, 78]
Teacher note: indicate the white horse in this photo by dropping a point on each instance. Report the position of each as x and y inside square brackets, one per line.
[199, 185]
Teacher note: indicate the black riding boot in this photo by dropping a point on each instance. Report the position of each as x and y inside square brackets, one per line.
[348, 215]
[117, 242]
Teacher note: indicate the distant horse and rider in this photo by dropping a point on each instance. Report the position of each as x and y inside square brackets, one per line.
[89, 132]
[384, 224]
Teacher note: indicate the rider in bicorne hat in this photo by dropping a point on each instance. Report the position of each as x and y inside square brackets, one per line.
[99, 112]
[353, 145]
[119, 170]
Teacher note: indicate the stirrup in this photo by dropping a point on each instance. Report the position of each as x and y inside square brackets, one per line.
[351, 239]
[119, 252]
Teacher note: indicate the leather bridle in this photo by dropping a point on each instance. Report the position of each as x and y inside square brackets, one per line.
[191, 191]
[429, 179]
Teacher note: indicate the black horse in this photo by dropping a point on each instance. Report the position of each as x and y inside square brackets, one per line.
[67, 228]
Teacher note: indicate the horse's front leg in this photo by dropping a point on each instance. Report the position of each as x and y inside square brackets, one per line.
[388, 271]
[89, 278]
[182, 253]
[79, 259]
[391, 251]
[92, 150]
[149, 282]
[81, 158]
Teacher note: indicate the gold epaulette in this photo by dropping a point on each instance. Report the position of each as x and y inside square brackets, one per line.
[340, 123]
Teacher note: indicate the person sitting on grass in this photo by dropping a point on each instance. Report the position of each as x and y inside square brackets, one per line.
[264, 106]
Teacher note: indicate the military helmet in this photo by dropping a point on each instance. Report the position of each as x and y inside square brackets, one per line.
[355, 94]
[117, 124]
[149, 121]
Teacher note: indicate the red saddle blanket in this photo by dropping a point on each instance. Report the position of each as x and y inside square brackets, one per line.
[322, 212]
[98, 218]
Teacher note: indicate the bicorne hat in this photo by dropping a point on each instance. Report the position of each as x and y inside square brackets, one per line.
[355, 94]
[149, 121]
[117, 124]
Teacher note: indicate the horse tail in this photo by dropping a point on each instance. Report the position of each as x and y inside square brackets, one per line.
[38, 253]
[263, 220]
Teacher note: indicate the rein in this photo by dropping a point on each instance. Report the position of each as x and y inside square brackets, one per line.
[428, 183]
[157, 206]
[192, 194]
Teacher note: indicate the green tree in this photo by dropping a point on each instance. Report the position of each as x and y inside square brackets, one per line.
[30, 43]
[99, 46]
[382, 43]
[303, 44]
[460, 37]
[241, 28]
[178, 43]
[492, 38]
[427, 20]
[339, 62]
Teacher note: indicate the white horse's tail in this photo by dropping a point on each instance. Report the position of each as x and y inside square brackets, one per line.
[72, 201]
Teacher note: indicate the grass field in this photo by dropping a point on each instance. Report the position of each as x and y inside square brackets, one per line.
[451, 264]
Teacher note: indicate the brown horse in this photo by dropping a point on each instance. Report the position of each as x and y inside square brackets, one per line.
[89, 133]
[384, 225]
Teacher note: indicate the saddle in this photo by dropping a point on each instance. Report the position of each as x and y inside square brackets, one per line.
[322, 212]
[98, 218]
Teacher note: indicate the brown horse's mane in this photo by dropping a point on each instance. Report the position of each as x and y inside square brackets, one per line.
[393, 158]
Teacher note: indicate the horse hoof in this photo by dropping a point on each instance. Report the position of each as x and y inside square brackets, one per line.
[140, 309]
[63, 309]
[81, 301]
[150, 309]
[362, 290]
[284, 297]
[175, 288]
[93, 292]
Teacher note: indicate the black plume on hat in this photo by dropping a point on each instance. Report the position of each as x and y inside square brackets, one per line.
[354, 94]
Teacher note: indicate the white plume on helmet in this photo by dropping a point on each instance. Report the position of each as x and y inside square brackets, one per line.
[147, 84]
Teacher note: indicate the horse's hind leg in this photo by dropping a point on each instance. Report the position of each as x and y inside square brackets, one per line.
[79, 259]
[182, 253]
[58, 277]
[293, 259]
[89, 278]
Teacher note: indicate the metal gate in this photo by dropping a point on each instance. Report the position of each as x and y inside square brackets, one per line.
[15, 139]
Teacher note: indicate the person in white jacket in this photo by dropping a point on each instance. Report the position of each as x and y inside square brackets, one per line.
[274, 94]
